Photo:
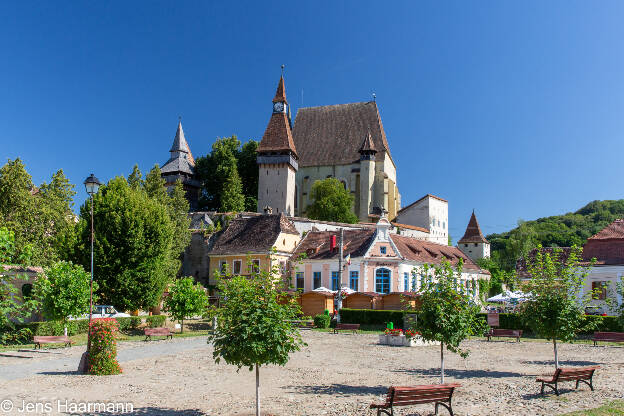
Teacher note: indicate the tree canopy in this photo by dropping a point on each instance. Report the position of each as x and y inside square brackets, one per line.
[229, 176]
[556, 231]
[254, 325]
[331, 202]
[555, 309]
[134, 241]
[41, 218]
[185, 300]
[445, 313]
[63, 290]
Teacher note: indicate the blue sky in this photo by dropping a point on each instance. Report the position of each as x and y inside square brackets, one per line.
[514, 109]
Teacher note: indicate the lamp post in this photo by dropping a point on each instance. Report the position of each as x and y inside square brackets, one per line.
[92, 184]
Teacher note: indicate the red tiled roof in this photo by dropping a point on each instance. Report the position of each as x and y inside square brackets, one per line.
[410, 227]
[431, 253]
[473, 232]
[316, 244]
[615, 230]
[278, 137]
[280, 94]
[332, 134]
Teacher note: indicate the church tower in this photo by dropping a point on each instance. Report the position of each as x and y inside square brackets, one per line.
[277, 159]
[181, 165]
[473, 243]
[367, 177]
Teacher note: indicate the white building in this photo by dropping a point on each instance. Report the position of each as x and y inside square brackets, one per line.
[473, 243]
[430, 213]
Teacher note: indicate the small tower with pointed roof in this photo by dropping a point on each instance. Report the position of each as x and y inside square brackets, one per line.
[278, 159]
[473, 244]
[181, 166]
[367, 177]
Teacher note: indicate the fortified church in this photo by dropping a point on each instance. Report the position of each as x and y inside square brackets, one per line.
[344, 141]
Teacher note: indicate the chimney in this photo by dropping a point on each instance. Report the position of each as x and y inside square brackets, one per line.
[332, 242]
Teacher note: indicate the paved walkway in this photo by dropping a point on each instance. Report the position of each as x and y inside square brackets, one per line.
[68, 360]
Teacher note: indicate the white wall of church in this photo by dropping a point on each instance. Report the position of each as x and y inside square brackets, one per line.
[430, 213]
[276, 188]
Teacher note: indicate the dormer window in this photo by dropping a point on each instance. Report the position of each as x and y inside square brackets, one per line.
[383, 249]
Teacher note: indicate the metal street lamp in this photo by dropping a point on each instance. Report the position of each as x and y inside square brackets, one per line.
[92, 184]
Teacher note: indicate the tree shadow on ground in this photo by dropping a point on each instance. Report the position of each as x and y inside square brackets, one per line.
[460, 373]
[561, 363]
[334, 389]
[62, 373]
[198, 326]
[548, 394]
[158, 411]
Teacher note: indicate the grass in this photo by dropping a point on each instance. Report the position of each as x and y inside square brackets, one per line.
[609, 409]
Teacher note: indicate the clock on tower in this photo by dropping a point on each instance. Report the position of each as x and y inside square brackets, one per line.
[279, 107]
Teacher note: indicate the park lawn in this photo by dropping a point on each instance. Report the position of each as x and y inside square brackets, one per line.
[193, 329]
[609, 409]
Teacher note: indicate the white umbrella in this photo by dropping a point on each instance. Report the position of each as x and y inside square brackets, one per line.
[322, 289]
[347, 290]
[502, 297]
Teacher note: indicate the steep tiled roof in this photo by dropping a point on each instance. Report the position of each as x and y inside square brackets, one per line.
[611, 231]
[368, 146]
[607, 246]
[431, 253]
[280, 93]
[278, 136]
[410, 227]
[316, 245]
[473, 232]
[252, 234]
[181, 159]
[522, 266]
[332, 134]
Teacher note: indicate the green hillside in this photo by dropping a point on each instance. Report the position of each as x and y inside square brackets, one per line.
[556, 231]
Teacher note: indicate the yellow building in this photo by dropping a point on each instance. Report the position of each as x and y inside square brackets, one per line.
[258, 242]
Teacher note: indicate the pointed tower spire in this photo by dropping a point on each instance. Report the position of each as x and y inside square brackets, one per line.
[278, 135]
[473, 232]
[180, 145]
[368, 146]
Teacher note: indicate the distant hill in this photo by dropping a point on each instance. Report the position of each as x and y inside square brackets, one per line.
[556, 231]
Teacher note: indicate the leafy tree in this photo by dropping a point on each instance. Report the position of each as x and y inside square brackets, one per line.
[254, 324]
[229, 169]
[135, 179]
[556, 305]
[557, 231]
[41, 218]
[248, 170]
[332, 202]
[498, 277]
[133, 245]
[155, 184]
[64, 290]
[446, 314]
[178, 207]
[186, 299]
[12, 308]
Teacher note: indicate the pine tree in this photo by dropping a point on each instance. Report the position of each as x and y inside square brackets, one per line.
[135, 179]
[232, 198]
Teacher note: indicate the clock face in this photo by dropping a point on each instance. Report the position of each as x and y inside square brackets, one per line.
[278, 107]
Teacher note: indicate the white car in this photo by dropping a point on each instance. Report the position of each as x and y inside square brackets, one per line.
[104, 311]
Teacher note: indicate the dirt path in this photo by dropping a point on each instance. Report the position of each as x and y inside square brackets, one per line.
[333, 375]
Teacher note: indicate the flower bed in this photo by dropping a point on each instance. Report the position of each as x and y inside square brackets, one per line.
[409, 338]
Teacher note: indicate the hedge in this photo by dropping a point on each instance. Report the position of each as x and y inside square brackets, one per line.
[322, 321]
[155, 321]
[371, 317]
[507, 320]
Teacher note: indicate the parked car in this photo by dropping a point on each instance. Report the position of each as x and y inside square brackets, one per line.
[595, 310]
[103, 311]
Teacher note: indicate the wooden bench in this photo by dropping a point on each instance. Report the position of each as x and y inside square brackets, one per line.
[157, 332]
[63, 339]
[608, 337]
[506, 333]
[347, 327]
[583, 374]
[440, 394]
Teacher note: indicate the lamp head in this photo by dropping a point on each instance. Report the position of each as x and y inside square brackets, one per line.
[92, 184]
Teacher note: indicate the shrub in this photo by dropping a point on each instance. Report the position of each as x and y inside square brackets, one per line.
[371, 317]
[16, 336]
[322, 321]
[155, 321]
[103, 352]
[130, 322]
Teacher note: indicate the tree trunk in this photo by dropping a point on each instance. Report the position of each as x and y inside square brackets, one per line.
[182, 326]
[257, 390]
[556, 355]
[441, 362]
